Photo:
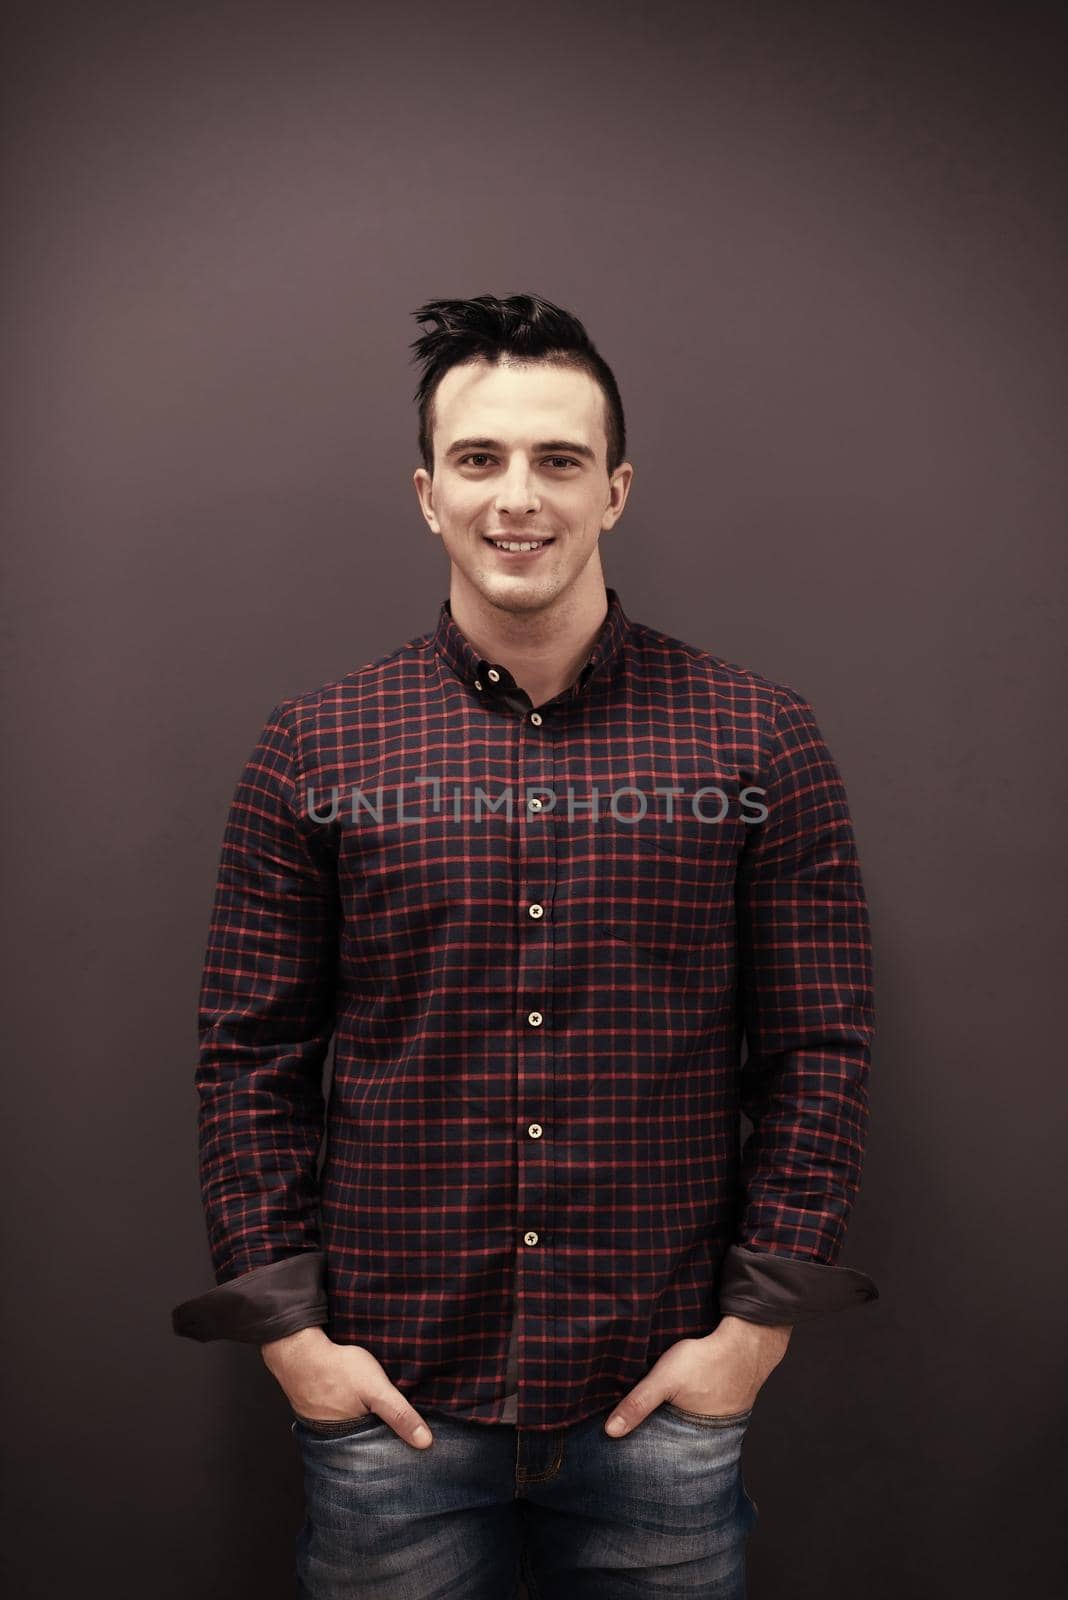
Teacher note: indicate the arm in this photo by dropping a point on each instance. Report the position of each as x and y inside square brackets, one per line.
[266, 1017]
[806, 992]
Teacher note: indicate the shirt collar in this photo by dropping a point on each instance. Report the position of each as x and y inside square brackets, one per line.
[458, 653]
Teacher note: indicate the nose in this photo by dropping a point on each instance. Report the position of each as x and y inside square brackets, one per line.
[516, 491]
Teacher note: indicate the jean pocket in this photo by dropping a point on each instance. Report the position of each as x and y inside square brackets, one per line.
[343, 1428]
[736, 1419]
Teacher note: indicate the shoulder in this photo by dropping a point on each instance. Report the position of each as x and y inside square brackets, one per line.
[359, 690]
[742, 688]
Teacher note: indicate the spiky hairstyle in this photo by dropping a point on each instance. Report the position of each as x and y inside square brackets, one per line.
[519, 327]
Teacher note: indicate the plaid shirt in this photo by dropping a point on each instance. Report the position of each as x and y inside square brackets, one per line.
[538, 938]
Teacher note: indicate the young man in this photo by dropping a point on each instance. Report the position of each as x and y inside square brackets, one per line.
[539, 870]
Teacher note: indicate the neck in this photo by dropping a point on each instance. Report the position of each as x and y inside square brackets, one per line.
[544, 649]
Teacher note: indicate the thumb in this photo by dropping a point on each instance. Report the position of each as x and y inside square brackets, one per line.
[372, 1384]
[637, 1405]
[659, 1383]
[397, 1411]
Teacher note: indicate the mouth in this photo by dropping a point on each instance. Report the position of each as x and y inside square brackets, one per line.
[517, 549]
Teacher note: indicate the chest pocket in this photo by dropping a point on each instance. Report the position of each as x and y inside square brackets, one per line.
[668, 887]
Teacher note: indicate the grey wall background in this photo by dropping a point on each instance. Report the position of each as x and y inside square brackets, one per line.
[822, 247]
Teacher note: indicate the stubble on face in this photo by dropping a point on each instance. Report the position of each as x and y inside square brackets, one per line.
[515, 488]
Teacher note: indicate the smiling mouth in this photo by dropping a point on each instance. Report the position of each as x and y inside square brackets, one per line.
[517, 546]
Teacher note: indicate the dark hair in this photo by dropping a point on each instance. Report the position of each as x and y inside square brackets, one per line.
[522, 327]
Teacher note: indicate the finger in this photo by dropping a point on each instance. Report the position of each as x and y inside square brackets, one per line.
[632, 1409]
[403, 1418]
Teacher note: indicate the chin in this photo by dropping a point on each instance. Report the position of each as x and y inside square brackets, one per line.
[517, 595]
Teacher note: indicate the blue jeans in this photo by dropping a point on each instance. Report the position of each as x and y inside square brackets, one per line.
[579, 1515]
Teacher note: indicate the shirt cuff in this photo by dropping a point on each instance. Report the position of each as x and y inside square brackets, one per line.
[268, 1302]
[766, 1288]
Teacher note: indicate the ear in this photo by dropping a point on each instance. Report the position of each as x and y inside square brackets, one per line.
[424, 488]
[618, 490]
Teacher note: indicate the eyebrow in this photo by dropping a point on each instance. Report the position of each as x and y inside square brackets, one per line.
[547, 444]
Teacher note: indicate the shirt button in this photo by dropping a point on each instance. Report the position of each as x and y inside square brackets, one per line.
[530, 1238]
[477, 684]
[534, 805]
[536, 911]
[535, 717]
[535, 1130]
[493, 675]
[534, 1018]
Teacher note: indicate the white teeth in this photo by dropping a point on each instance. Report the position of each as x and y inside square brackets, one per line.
[515, 544]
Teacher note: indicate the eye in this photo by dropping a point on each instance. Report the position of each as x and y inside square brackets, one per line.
[479, 458]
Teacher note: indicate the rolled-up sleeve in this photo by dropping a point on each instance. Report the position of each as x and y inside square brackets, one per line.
[266, 1017]
[806, 994]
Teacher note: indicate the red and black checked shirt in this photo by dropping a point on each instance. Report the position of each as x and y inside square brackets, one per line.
[538, 938]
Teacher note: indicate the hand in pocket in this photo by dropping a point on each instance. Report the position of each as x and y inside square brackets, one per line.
[339, 1386]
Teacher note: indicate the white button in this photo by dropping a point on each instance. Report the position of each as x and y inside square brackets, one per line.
[493, 675]
[536, 911]
[477, 684]
[535, 1130]
[530, 1238]
[534, 1018]
[535, 717]
[535, 805]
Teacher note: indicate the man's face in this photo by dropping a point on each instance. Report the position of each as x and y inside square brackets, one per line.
[520, 457]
